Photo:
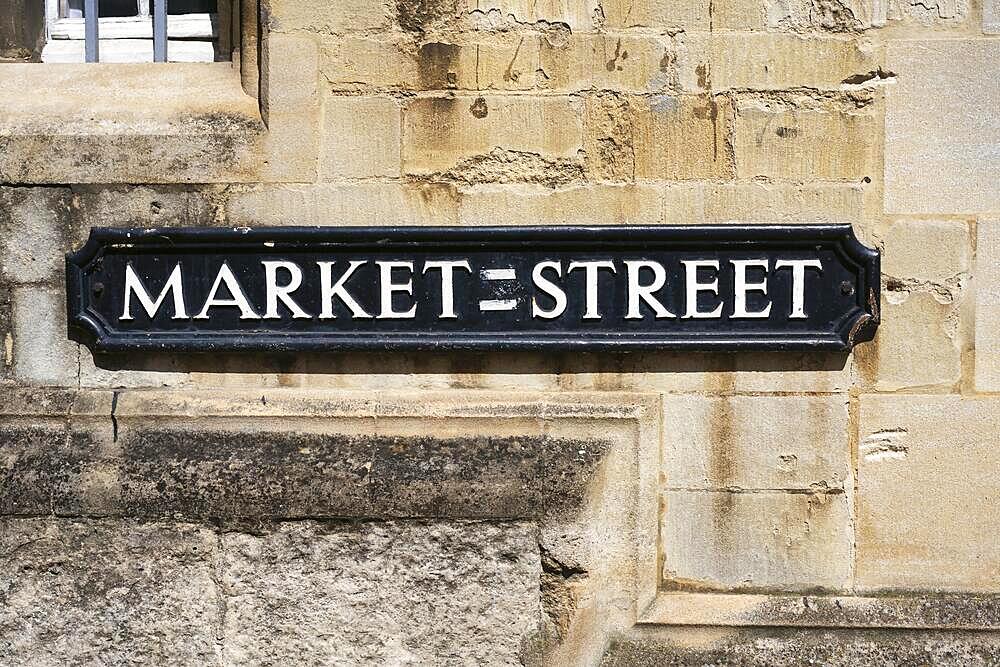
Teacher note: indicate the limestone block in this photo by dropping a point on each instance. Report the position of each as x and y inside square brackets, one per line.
[775, 140]
[809, 646]
[929, 13]
[776, 202]
[991, 17]
[579, 205]
[928, 514]
[688, 372]
[106, 592]
[918, 343]
[528, 62]
[350, 63]
[344, 204]
[579, 15]
[387, 204]
[758, 442]
[666, 15]
[381, 593]
[836, 16]
[739, 15]
[937, 252]
[109, 376]
[762, 61]
[442, 133]
[361, 137]
[291, 105]
[942, 157]
[663, 137]
[42, 354]
[32, 227]
[321, 17]
[987, 289]
[727, 540]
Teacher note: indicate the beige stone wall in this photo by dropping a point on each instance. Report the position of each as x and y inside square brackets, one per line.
[784, 490]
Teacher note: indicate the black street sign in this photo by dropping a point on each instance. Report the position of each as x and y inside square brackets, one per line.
[720, 287]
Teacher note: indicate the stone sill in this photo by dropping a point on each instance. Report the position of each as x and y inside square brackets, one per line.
[139, 122]
[949, 611]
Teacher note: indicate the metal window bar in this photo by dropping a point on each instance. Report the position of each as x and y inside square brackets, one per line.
[91, 32]
[159, 31]
[92, 36]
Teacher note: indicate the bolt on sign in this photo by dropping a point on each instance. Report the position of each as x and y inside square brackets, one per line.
[350, 288]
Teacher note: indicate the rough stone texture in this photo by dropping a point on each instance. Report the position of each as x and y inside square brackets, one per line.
[256, 472]
[106, 592]
[381, 593]
[663, 137]
[442, 133]
[919, 343]
[927, 470]
[360, 137]
[991, 17]
[773, 442]
[987, 277]
[836, 648]
[22, 26]
[41, 352]
[32, 221]
[756, 540]
[775, 140]
[941, 157]
[934, 254]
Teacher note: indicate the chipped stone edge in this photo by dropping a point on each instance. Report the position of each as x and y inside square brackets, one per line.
[953, 611]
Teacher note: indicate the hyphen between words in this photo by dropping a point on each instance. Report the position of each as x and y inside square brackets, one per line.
[644, 289]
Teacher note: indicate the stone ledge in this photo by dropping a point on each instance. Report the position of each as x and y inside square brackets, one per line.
[944, 612]
[765, 647]
[114, 123]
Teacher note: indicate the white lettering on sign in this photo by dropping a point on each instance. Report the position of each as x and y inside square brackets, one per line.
[693, 287]
[447, 285]
[174, 285]
[330, 289]
[640, 288]
[798, 267]
[239, 299]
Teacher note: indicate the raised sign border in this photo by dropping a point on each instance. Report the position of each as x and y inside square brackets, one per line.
[857, 326]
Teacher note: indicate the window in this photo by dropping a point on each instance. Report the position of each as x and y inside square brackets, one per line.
[135, 31]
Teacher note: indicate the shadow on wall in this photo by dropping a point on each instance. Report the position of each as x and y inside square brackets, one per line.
[472, 364]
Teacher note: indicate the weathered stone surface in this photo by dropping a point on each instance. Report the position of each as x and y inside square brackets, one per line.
[919, 342]
[459, 132]
[725, 647]
[769, 202]
[935, 253]
[32, 223]
[124, 468]
[22, 28]
[834, 16]
[663, 137]
[779, 141]
[316, 15]
[760, 442]
[927, 509]
[668, 15]
[784, 61]
[385, 593]
[41, 352]
[756, 540]
[112, 124]
[941, 157]
[360, 137]
[991, 17]
[106, 592]
[987, 286]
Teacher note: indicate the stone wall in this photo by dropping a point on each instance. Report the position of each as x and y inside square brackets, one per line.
[435, 508]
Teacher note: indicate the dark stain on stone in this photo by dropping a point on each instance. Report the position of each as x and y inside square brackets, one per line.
[786, 132]
[263, 475]
[701, 71]
[436, 64]
[479, 109]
